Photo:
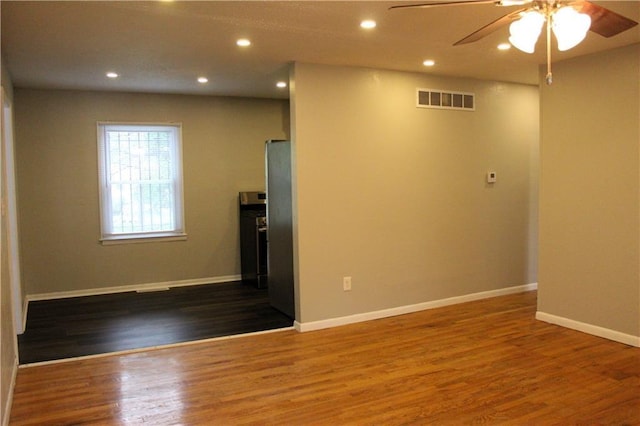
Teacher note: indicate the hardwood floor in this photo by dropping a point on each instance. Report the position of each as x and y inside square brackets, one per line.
[67, 328]
[484, 362]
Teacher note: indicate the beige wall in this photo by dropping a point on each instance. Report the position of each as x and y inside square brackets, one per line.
[589, 199]
[395, 196]
[223, 153]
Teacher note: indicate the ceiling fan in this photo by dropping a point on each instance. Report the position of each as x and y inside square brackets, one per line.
[568, 19]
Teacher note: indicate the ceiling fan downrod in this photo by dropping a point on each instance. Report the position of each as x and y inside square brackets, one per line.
[549, 77]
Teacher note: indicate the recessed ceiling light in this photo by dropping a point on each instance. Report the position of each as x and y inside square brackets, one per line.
[243, 42]
[429, 63]
[281, 84]
[504, 46]
[368, 24]
[112, 74]
[203, 80]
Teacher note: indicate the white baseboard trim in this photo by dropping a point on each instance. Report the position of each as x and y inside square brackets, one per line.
[401, 310]
[133, 287]
[595, 330]
[6, 413]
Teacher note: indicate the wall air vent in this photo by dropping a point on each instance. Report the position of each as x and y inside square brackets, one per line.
[445, 99]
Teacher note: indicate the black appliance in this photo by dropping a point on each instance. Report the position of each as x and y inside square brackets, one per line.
[280, 224]
[253, 238]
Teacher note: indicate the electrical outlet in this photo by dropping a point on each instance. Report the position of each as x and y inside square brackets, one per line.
[346, 283]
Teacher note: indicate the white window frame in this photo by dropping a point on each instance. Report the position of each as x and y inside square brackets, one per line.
[108, 235]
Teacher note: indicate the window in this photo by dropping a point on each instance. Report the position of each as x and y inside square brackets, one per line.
[140, 181]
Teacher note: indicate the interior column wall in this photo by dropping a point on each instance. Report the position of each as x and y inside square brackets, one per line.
[8, 344]
[396, 196]
[589, 266]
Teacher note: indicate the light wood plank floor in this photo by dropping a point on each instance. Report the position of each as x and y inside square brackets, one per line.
[485, 362]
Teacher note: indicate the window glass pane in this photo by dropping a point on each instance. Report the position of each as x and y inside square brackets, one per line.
[141, 178]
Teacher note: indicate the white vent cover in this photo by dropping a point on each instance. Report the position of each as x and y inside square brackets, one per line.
[445, 99]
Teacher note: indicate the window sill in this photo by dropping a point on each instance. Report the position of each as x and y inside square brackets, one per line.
[136, 239]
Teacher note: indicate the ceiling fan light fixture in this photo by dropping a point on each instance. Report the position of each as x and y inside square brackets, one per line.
[368, 24]
[570, 27]
[526, 30]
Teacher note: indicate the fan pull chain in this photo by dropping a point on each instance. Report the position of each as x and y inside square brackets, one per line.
[549, 77]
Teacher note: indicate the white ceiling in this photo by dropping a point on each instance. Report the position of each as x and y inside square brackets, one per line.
[161, 46]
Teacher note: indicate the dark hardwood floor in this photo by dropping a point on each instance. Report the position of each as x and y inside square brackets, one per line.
[68, 328]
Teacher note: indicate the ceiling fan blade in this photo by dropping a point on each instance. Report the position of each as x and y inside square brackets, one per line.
[463, 2]
[493, 26]
[444, 3]
[604, 21]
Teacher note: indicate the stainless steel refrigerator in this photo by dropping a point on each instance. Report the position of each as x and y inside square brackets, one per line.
[279, 226]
